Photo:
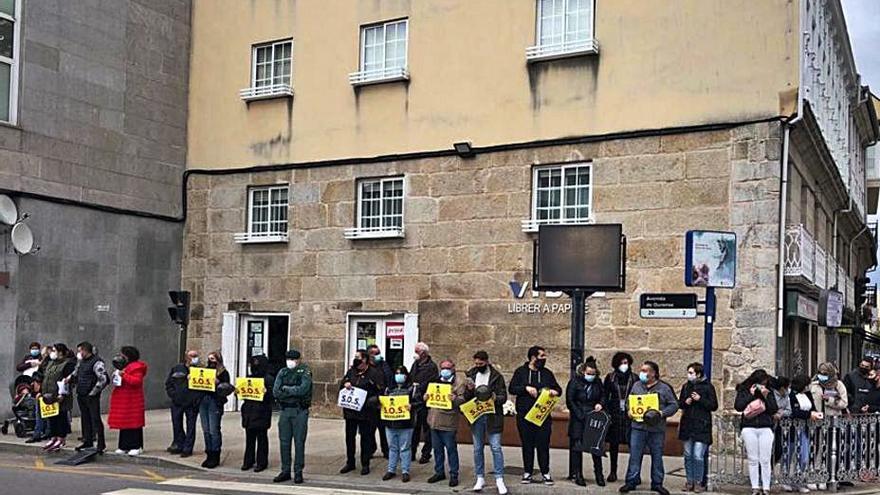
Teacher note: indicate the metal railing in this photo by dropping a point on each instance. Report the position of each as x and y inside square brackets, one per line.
[827, 451]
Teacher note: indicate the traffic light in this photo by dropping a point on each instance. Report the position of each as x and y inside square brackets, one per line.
[180, 311]
[861, 290]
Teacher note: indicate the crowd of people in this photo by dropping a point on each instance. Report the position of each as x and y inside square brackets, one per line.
[764, 401]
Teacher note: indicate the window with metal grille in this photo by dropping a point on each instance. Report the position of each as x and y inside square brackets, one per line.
[380, 204]
[272, 63]
[561, 194]
[267, 211]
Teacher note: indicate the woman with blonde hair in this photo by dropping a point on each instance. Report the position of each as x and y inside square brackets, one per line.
[211, 411]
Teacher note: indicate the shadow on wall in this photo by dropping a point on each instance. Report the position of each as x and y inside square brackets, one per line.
[578, 76]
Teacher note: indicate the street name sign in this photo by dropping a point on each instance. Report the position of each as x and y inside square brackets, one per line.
[668, 306]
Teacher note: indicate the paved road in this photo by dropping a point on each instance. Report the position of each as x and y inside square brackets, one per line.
[22, 473]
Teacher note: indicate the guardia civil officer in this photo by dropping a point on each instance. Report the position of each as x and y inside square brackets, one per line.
[293, 391]
[527, 382]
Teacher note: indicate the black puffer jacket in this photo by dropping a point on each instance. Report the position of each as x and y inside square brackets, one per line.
[258, 414]
[373, 382]
[763, 420]
[696, 418]
[581, 398]
[177, 387]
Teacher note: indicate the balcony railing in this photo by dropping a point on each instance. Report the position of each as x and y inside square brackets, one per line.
[821, 269]
[850, 293]
[561, 50]
[374, 76]
[266, 92]
[260, 237]
[530, 225]
[374, 233]
[799, 255]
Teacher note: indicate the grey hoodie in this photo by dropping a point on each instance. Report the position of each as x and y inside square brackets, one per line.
[668, 404]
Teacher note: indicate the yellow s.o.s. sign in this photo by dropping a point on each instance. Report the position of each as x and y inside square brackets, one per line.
[204, 379]
[640, 404]
[542, 408]
[394, 407]
[49, 410]
[250, 388]
[474, 409]
[439, 396]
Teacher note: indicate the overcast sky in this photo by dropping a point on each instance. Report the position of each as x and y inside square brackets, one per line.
[863, 23]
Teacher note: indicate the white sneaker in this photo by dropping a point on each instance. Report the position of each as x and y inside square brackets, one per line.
[135, 452]
[481, 482]
[803, 489]
[811, 486]
[787, 488]
[502, 488]
[120, 452]
[823, 486]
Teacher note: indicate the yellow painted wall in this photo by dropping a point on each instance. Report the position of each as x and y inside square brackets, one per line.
[661, 64]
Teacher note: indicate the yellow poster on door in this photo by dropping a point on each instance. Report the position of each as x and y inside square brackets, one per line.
[250, 388]
[439, 396]
[203, 379]
[543, 407]
[640, 404]
[49, 410]
[394, 407]
[474, 409]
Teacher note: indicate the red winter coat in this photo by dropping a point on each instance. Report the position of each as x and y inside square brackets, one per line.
[127, 400]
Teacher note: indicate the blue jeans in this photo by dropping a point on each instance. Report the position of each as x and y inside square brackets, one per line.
[801, 436]
[399, 448]
[479, 434]
[694, 461]
[210, 414]
[41, 426]
[443, 443]
[638, 440]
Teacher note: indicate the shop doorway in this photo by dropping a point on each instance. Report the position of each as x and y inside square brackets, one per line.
[396, 335]
[264, 334]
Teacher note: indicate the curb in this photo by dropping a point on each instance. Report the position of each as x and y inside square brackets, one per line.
[108, 457]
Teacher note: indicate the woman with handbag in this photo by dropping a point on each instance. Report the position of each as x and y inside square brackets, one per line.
[583, 395]
[755, 401]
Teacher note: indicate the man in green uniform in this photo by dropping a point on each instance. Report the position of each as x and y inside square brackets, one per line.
[293, 391]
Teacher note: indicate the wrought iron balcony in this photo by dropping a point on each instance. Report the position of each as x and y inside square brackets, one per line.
[799, 253]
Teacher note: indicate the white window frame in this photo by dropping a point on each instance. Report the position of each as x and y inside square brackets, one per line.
[13, 62]
[532, 224]
[566, 48]
[272, 90]
[382, 231]
[270, 235]
[383, 74]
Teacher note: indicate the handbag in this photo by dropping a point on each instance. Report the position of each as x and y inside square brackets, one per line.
[754, 408]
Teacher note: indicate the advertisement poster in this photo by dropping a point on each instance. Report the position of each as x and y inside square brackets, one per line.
[394, 407]
[640, 404]
[474, 410]
[439, 396]
[204, 379]
[542, 408]
[250, 388]
[710, 259]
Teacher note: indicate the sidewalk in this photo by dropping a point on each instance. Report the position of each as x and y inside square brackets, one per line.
[325, 454]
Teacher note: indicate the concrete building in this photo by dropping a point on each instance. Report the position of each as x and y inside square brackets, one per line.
[328, 208]
[93, 100]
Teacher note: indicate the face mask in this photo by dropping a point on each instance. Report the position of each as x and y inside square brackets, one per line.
[692, 377]
[417, 356]
[623, 368]
[822, 378]
[864, 371]
[643, 377]
[291, 364]
[212, 364]
[590, 378]
[53, 355]
[482, 369]
[194, 360]
[357, 362]
[79, 355]
[35, 352]
[446, 373]
[399, 378]
[539, 363]
[378, 358]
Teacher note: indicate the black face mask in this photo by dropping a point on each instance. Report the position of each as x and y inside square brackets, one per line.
[212, 364]
[482, 369]
[539, 363]
[864, 371]
[357, 362]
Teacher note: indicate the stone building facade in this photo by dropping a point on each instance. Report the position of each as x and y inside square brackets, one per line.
[464, 244]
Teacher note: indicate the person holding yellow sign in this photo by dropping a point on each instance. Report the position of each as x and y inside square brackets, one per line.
[256, 413]
[398, 420]
[488, 427]
[443, 399]
[526, 384]
[211, 411]
[650, 403]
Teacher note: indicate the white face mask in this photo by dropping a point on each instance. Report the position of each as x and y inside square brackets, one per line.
[623, 368]
[53, 355]
[194, 360]
[79, 355]
[291, 363]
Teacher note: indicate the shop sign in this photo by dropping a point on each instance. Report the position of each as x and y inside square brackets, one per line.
[800, 306]
[519, 291]
[830, 308]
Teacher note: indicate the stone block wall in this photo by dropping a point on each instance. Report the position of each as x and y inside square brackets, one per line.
[464, 244]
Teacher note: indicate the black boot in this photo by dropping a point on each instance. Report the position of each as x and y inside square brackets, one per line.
[600, 478]
[579, 480]
[213, 460]
[208, 456]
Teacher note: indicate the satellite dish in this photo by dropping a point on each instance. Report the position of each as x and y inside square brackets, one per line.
[22, 238]
[8, 211]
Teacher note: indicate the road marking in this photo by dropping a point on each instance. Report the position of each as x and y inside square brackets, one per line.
[39, 465]
[237, 486]
[153, 475]
[143, 491]
[38, 462]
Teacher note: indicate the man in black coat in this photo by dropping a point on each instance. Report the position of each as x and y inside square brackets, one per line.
[857, 383]
[184, 406]
[422, 372]
[378, 360]
[365, 377]
[527, 382]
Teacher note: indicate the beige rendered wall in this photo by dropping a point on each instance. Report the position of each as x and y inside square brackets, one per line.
[686, 62]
